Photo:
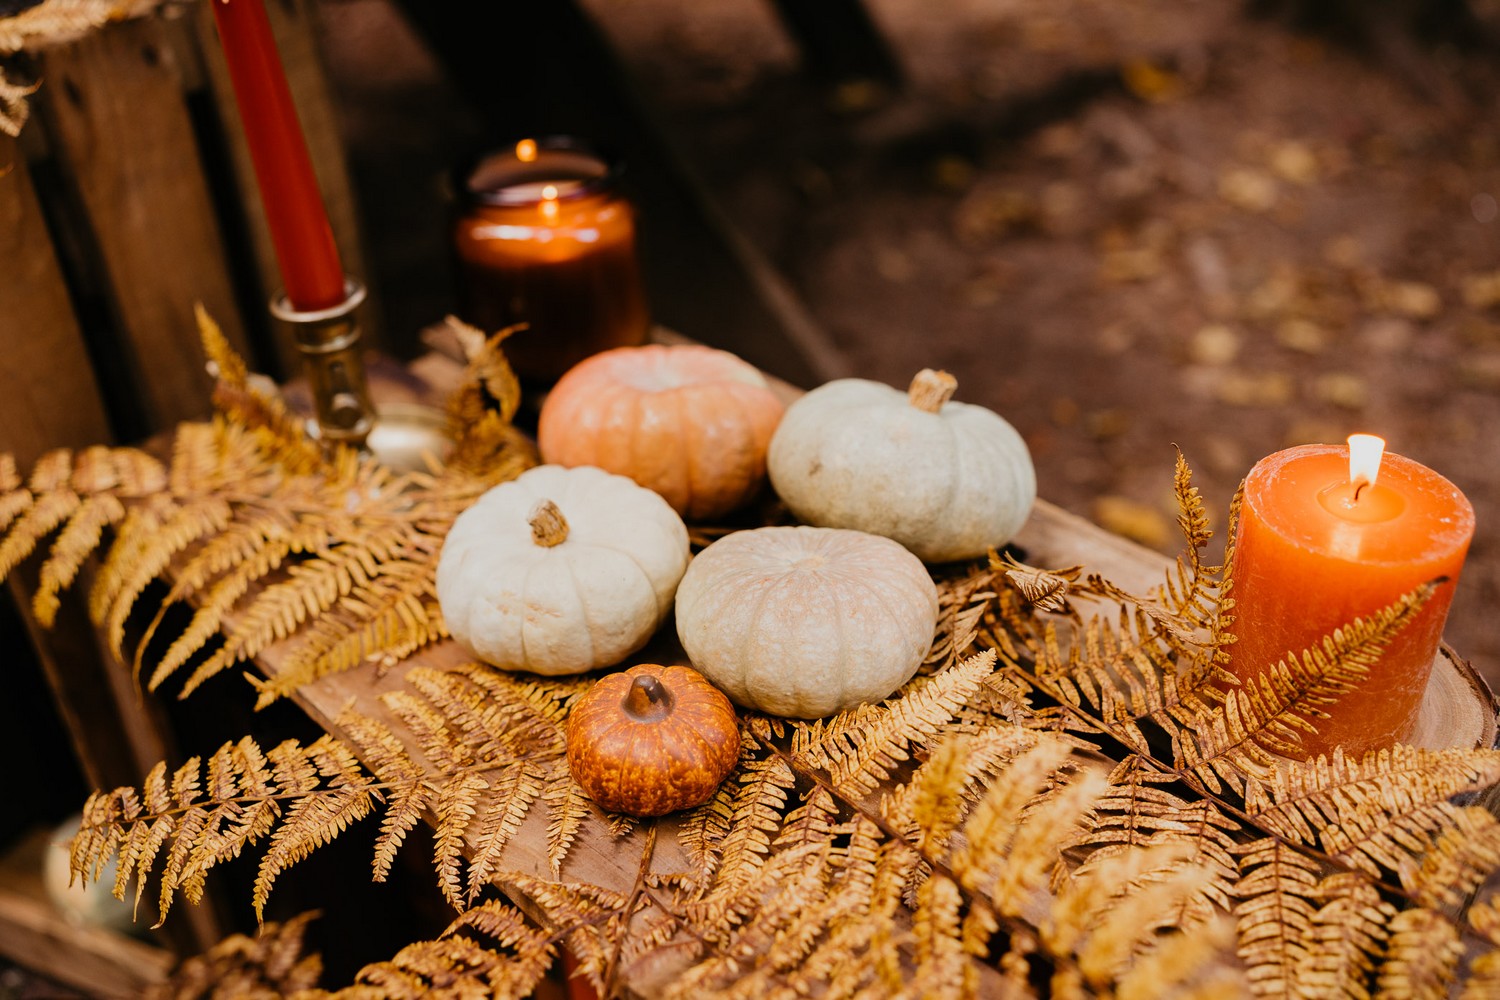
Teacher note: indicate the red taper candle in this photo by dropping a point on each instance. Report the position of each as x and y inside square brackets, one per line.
[300, 231]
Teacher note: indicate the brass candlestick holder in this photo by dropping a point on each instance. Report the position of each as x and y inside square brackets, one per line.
[398, 434]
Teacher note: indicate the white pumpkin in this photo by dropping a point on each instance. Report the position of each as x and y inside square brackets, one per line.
[947, 480]
[561, 570]
[805, 622]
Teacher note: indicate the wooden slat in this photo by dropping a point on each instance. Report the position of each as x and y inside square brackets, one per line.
[35, 934]
[48, 394]
[114, 112]
[294, 24]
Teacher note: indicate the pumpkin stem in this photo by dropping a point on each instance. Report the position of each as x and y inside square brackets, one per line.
[931, 389]
[648, 699]
[548, 526]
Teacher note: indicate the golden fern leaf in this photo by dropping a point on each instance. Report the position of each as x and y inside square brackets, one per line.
[577, 910]
[218, 600]
[1043, 589]
[1112, 911]
[486, 368]
[271, 964]
[472, 716]
[1187, 967]
[1346, 939]
[1136, 812]
[1484, 971]
[409, 794]
[1265, 718]
[532, 712]
[1460, 859]
[937, 805]
[175, 533]
[1034, 852]
[703, 830]
[78, 540]
[316, 815]
[942, 969]
[989, 830]
[1389, 811]
[39, 519]
[756, 819]
[859, 749]
[390, 618]
[1277, 891]
[512, 793]
[235, 395]
[1422, 956]
[458, 966]
[441, 743]
[454, 804]
[963, 603]
[567, 807]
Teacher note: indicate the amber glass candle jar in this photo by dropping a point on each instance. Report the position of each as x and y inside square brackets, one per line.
[546, 238]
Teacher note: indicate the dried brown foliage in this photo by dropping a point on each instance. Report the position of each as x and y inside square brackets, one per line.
[1071, 799]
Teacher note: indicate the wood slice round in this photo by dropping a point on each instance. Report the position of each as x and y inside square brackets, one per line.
[1459, 709]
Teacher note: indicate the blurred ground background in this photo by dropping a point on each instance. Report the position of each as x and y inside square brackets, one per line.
[1123, 224]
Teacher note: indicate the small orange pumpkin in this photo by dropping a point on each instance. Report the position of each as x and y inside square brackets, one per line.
[692, 423]
[652, 740]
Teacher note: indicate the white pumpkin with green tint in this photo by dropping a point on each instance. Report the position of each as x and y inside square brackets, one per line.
[806, 622]
[561, 570]
[948, 480]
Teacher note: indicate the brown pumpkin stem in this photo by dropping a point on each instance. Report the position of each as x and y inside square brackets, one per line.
[931, 389]
[548, 526]
[648, 699]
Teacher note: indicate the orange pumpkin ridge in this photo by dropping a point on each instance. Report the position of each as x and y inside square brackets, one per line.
[654, 748]
[690, 422]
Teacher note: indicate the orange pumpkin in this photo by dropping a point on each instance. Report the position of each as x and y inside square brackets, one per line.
[692, 423]
[652, 740]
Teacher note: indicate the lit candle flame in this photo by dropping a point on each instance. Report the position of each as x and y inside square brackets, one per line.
[526, 150]
[549, 202]
[1365, 451]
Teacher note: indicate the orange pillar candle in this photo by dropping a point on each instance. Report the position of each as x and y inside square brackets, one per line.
[547, 240]
[1320, 543]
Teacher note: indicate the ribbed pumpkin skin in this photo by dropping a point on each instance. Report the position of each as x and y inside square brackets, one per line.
[652, 767]
[947, 485]
[587, 602]
[805, 622]
[690, 422]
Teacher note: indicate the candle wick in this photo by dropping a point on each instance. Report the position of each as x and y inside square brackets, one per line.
[1359, 488]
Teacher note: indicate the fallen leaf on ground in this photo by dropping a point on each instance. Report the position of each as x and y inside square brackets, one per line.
[1302, 335]
[1133, 520]
[1264, 389]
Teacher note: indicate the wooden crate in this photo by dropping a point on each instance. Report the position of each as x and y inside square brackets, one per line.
[127, 198]
[136, 199]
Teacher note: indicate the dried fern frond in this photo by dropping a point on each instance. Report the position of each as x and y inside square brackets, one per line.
[201, 817]
[1138, 812]
[1346, 939]
[1422, 956]
[270, 965]
[267, 535]
[1278, 895]
[859, 749]
[491, 950]
[1389, 811]
[1265, 718]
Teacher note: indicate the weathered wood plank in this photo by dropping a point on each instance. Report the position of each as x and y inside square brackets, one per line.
[114, 112]
[49, 397]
